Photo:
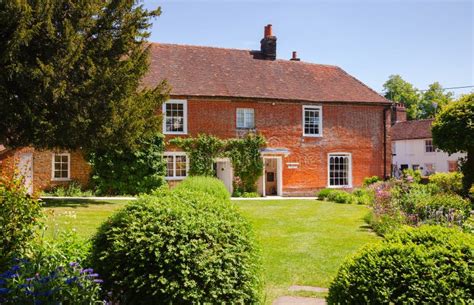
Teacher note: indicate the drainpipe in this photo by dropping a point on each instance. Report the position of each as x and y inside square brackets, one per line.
[385, 143]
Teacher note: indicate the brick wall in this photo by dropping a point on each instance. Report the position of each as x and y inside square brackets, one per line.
[349, 128]
[42, 167]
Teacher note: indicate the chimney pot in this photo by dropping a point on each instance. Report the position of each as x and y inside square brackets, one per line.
[268, 31]
[294, 56]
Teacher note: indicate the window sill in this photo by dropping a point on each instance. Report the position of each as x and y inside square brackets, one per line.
[174, 178]
[312, 135]
[175, 133]
[61, 179]
[339, 186]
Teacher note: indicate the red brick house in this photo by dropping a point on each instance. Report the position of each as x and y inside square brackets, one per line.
[324, 128]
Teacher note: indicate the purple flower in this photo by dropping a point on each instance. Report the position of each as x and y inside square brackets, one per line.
[93, 275]
[88, 270]
[73, 264]
[98, 281]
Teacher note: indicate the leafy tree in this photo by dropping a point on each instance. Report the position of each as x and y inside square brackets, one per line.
[420, 105]
[433, 99]
[70, 73]
[453, 131]
[398, 90]
[129, 171]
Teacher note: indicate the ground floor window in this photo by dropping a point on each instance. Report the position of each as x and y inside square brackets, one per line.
[176, 165]
[452, 166]
[339, 170]
[61, 166]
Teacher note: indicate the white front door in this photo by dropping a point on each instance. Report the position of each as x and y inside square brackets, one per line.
[224, 172]
[25, 170]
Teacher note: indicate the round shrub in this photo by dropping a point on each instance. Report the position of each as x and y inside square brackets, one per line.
[324, 193]
[416, 266]
[339, 196]
[20, 216]
[180, 247]
[209, 185]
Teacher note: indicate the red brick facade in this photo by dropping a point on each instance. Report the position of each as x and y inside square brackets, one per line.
[42, 167]
[347, 128]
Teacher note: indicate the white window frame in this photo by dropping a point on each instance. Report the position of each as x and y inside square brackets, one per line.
[349, 180]
[244, 113]
[174, 154]
[432, 145]
[185, 117]
[53, 166]
[313, 107]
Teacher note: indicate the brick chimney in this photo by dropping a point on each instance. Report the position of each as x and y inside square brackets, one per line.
[399, 113]
[294, 57]
[268, 44]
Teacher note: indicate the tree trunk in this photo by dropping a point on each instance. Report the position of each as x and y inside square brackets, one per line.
[468, 172]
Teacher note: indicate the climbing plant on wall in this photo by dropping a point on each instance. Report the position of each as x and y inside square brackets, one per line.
[246, 161]
[244, 154]
[202, 151]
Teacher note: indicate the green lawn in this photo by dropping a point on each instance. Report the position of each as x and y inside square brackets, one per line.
[303, 241]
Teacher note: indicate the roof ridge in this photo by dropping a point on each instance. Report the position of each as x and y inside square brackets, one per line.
[242, 50]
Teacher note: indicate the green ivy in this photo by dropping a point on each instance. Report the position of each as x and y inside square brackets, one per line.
[202, 151]
[243, 152]
[246, 161]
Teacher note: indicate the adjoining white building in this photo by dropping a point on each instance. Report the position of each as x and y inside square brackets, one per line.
[412, 147]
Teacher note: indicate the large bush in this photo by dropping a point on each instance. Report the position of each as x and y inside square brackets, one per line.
[417, 266]
[20, 219]
[179, 247]
[209, 185]
[448, 182]
[129, 171]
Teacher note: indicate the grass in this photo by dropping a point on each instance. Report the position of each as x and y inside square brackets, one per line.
[303, 241]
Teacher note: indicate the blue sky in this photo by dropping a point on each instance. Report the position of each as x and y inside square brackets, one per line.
[423, 41]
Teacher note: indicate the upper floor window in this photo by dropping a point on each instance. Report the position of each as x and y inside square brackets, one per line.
[245, 118]
[61, 166]
[175, 117]
[429, 147]
[312, 121]
[176, 165]
[339, 170]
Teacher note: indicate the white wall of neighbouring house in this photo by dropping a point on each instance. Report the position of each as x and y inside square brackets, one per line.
[413, 153]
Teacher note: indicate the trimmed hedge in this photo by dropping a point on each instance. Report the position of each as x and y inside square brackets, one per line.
[180, 247]
[209, 185]
[424, 265]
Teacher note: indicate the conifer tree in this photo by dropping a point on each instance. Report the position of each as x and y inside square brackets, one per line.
[70, 74]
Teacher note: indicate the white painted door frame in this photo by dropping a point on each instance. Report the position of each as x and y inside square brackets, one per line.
[279, 175]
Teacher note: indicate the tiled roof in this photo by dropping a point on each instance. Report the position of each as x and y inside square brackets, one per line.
[219, 72]
[420, 129]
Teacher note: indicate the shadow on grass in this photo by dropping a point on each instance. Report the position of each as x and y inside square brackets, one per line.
[78, 203]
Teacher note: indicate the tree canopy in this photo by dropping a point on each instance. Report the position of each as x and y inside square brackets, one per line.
[453, 131]
[70, 74]
[419, 104]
